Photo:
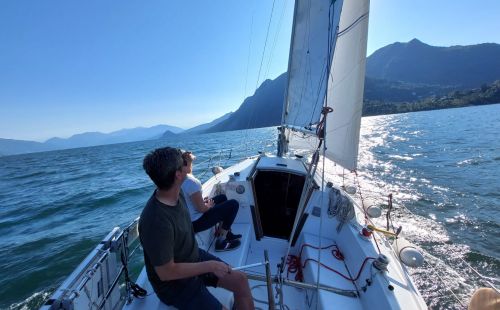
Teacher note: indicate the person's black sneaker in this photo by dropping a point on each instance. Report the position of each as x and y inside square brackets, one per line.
[230, 236]
[226, 245]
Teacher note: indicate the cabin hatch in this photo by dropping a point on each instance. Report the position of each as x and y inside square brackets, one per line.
[277, 196]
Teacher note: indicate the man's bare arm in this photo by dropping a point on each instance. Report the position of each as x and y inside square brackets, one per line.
[199, 203]
[173, 271]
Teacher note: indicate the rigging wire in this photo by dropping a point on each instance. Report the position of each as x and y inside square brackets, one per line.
[265, 44]
[325, 112]
[321, 216]
[445, 285]
[271, 53]
[484, 278]
[246, 76]
[252, 112]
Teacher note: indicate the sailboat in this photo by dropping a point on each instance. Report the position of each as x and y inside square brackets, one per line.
[307, 243]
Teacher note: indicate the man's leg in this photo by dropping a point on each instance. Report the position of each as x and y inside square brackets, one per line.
[228, 209]
[235, 281]
[225, 212]
[200, 299]
[219, 198]
[190, 294]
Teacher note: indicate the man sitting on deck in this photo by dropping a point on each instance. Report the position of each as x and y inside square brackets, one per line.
[178, 271]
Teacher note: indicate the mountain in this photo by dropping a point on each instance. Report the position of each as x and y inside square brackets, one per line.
[397, 73]
[12, 147]
[167, 134]
[203, 127]
[397, 91]
[416, 62]
[263, 109]
[120, 136]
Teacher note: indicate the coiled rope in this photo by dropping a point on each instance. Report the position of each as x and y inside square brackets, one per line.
[340, 206]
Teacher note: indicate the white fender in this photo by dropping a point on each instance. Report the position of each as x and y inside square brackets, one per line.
[408, 253]
[371, 209]
[217, 169]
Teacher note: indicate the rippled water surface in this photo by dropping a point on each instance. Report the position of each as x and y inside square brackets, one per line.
[441, 166]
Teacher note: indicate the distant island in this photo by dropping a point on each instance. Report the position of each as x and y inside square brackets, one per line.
[400, 78]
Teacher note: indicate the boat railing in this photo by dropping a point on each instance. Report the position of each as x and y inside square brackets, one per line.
[98, 282]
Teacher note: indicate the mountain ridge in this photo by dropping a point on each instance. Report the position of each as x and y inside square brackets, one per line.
[93, 138]
[462, 66]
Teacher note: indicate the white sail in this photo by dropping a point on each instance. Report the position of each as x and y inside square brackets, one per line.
[310, 52]
[346, 85]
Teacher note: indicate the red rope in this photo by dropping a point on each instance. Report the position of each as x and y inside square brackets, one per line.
[337, 272]
[295, 265]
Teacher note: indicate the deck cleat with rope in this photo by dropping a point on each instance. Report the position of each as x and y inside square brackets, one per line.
[381, 262]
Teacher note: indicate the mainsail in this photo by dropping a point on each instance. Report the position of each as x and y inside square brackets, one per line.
[311, 49]
[327, 68]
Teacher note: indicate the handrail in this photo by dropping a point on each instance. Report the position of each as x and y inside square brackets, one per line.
[116, 242]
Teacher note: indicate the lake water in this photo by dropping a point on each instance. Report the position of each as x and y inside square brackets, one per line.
[441, 166]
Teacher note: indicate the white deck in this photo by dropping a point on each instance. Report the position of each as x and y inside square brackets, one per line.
[295, 298]
[393, 289]
[355, 250]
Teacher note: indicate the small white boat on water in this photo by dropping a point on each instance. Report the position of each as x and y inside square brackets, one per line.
[307, 243]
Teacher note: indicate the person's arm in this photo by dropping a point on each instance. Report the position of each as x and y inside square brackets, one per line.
[199, 203]
[173, 271]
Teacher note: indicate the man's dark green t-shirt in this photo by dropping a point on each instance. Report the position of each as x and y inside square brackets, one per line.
[166, 233]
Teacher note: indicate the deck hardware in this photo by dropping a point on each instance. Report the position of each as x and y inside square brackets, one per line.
[251, 265]
[381, 262]
[366, 232]
[316, 211]
[270, 297]
[240, 189]
[385, 232]
[348, 293]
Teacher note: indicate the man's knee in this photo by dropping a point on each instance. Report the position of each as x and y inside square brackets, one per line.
[241, 282]
[234, 204]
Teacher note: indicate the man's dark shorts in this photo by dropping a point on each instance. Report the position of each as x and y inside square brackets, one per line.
[193, 293]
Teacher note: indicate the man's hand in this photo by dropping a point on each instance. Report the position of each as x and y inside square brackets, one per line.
[209, 202]
[220, 269]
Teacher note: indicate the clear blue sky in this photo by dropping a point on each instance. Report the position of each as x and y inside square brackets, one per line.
[68, 67]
